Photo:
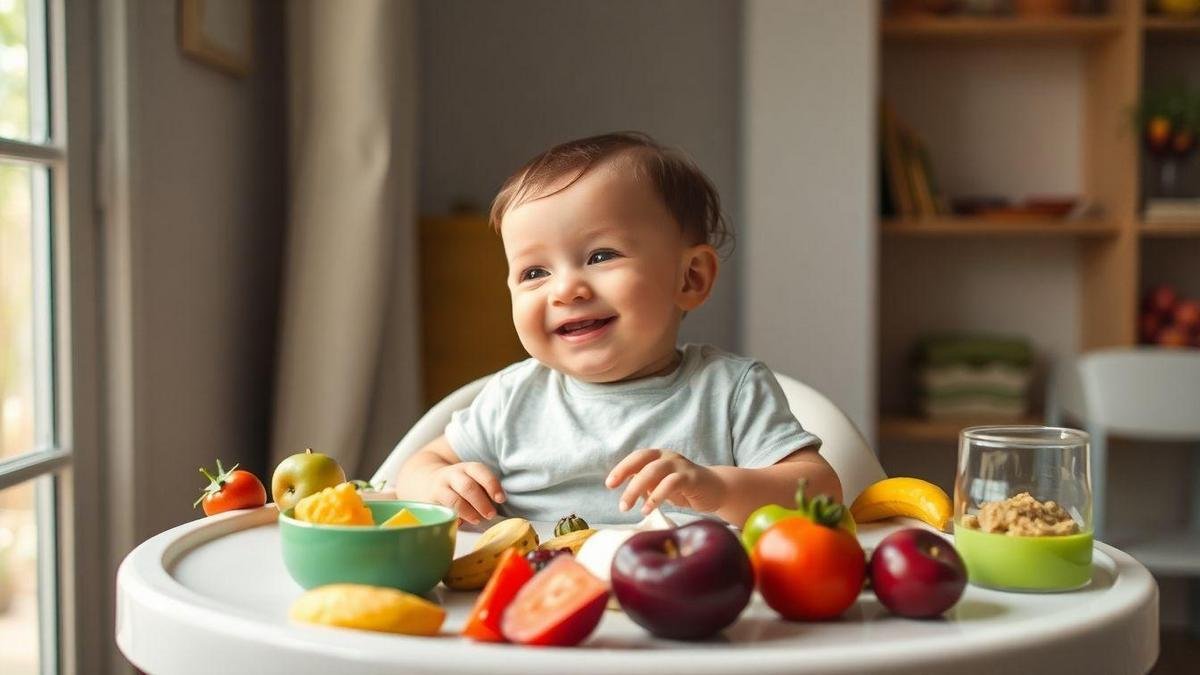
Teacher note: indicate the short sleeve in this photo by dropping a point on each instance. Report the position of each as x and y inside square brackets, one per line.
[763, 426]
[472, 430]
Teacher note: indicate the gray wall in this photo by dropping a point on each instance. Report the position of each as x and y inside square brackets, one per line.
[502, 81]
[808, 133]
[207, 213]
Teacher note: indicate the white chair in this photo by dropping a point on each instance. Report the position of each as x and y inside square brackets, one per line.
[842, 445]
[1147, 394]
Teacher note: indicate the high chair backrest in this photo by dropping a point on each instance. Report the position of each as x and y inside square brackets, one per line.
[842, 445]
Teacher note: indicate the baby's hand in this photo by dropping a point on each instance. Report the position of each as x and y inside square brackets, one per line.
[664, 476]
[469, 488]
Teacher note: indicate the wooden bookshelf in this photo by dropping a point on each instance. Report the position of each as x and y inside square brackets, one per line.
[1168, 230]
[1168, 27]
[905, 429]
[965, 226]
[1081, 29]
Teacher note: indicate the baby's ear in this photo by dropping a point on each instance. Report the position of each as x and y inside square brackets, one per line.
[699, 265]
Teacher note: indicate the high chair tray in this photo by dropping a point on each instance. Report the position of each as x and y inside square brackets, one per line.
[212, 595]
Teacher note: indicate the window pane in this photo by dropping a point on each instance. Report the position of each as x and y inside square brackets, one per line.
[23, 589]
[25, 422]
[23, 81]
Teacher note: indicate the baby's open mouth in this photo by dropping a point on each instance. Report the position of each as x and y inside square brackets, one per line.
[581, 327]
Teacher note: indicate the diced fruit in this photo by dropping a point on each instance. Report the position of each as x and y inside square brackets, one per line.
[470, 572]
[686, 583]
[303, 474]
[559, 607]
[511, 574]
[571, 523]
[403, 518]
[909, 497]
[339, 505]
[571, 540]
[368, 608]
[916, 573]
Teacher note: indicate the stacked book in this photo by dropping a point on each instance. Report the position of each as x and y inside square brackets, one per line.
[973, 376]
[907, 182]
[1165, 211]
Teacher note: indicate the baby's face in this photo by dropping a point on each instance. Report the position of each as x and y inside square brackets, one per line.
[595, 272]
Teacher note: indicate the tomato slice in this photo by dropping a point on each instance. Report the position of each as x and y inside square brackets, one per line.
[511, 574]
[559, 607]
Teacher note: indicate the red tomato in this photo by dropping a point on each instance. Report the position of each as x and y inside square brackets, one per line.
[232, 489]
[510, 575]
[559, 607]
[808, 571]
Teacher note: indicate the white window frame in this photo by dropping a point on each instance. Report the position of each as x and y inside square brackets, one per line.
[75, 560]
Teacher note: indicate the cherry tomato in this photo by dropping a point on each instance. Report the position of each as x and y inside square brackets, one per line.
[559, 607]
[808, 571]
[232, 489]
[510, 575]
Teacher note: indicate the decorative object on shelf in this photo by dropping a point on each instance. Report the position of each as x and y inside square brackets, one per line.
[217, 33]
[1168, 320]
[977, 376]
[1178, 8]
[911, 7]
[910, 189]
[1169, 119]
[1172, 211]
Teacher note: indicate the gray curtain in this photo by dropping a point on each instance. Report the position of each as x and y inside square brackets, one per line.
[348, 379]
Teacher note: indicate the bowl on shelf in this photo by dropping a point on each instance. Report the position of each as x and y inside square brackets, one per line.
[412, 558]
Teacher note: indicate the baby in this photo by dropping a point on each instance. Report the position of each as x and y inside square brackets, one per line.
[610, 241]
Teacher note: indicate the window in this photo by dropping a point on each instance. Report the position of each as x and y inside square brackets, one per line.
[33, 170]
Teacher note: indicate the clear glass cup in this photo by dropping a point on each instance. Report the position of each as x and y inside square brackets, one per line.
[1023, 507]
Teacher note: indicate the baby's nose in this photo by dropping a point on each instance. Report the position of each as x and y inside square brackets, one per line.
[572, 288]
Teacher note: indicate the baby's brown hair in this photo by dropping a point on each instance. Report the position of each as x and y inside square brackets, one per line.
[687, 193]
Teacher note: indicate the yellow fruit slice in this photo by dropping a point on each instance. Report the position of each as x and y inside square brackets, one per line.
[471, 572]
[909, 497]
[368, 608]
[403, 518]
[572, 540]
[337, 505]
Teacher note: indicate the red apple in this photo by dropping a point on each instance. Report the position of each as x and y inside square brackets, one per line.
[1173, 336]
[917, 574]
[1161, 299]
[687, 583]
[1187, 315]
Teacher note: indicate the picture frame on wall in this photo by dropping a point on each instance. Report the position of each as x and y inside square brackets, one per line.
[218, 34]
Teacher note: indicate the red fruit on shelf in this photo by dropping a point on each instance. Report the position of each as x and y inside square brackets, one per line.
[1149, 324]
[1187, 315]
[1161, 299]
[1174, 336]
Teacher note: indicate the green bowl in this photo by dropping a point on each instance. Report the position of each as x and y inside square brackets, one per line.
[412, 559]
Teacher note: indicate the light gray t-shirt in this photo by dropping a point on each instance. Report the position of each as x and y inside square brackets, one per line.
[552, 439]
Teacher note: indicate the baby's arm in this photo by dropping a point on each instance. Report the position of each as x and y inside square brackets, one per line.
[436, 474]
[747, 489]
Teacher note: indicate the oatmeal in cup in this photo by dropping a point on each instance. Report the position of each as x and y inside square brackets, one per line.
[1023, 507]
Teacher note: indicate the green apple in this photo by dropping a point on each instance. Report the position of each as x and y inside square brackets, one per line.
[303, 474]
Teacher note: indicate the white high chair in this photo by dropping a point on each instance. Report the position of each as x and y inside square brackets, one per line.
[842, 445]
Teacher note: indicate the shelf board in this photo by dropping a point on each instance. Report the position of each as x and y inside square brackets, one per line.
[965, 226]
[1066, 29]
[901, 429]
[1180, 229]
[1168, 27]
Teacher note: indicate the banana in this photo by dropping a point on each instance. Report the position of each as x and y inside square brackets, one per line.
[471, 571]
[909, 497]
[572, 540]
[368, 608]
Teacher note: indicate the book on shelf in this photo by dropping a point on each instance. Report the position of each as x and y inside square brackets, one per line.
[909, 184]
[1172, 210]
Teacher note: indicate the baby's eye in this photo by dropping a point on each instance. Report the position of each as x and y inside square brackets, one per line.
[602, 256]
[533, 273]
